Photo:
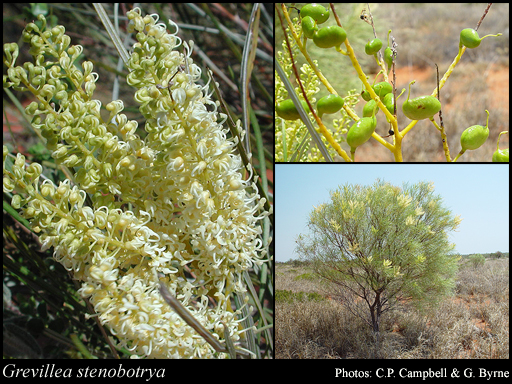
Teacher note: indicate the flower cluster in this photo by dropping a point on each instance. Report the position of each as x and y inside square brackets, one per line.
[170, 208]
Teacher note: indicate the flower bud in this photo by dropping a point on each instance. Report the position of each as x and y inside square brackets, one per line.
[47, 189]
[16, 201]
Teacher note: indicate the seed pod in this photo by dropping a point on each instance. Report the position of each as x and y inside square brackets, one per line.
[388, 57]
[361, 131]
[500, 155]
[309, 26]
[474, 136]
[328, 37]
[329, 104]
[370, 109]
[381, 89]
[316, 11]
[287, 111]
[469, 37]
[389, 102]
[365, 95]
[373, 46]
[388, 54]
[423, 107]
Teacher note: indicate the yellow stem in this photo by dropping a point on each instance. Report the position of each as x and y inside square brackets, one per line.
[321, 127]
[444, 139]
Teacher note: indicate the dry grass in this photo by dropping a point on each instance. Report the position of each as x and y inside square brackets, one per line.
[472, 324]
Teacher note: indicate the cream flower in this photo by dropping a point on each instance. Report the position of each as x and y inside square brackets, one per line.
[172, 208]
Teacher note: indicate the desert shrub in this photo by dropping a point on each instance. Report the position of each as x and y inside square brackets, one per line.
[473, 324]
[476, 260]
[297, 263]
[497, 255]
[306, 276]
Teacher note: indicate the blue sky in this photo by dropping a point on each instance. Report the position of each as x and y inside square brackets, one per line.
[479, 193]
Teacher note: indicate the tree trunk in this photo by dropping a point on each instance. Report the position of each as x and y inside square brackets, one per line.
[375, 319]
[375, 311]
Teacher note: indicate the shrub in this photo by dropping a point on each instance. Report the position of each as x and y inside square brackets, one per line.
[306, 276]
[476, 260]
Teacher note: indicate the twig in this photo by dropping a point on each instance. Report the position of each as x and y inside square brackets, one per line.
[483, 16]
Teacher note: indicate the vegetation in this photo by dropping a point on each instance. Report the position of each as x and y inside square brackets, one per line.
[380, 246]
[418, 38]
[477, 260]
[81, 193]
[472, 324]
[287, 296]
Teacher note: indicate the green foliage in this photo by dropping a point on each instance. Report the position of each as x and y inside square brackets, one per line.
[384, 243]
[476, 260]
[297, 263]
[306, 276]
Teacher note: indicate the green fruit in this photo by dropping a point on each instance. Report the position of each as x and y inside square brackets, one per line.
[388, 54]
[389, 102]
[328, 37]
[329, 104]
[469, 37]
[373, 46]
[423, 107]
[382, 89]
[361, 131]
[286, 109]
[370, 109]
[316, 11]
[309, 26]
[388, 57]
[474, 136]
[500, 156]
